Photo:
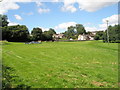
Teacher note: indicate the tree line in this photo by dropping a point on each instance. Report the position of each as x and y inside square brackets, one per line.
[113, 32]
[20, 33]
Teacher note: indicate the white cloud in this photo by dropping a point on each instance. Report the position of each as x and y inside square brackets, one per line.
[4, 6]
[18, 0]
[113, 20]
[54, 0]
[12, 23]
[38, 2]
[60, 27]
[91, 29]
[63, 26]
[41, 10]
[70, 8]
[7, 5]
[94, 5]
[18, 17]
[87, 5]
[44, 29]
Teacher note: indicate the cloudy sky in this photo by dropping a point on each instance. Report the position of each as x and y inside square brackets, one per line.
[59, 14]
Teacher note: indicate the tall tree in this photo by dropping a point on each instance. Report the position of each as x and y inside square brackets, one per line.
[18, 33]
[70, 33]
[52, 31]
[99, 35]
[3, 20]
[80, 29]
[47, 35]
[114, 34]
[36, 33]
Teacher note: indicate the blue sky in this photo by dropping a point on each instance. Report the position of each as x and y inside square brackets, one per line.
[59, 15]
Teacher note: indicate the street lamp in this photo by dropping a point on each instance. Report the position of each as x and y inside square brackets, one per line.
[107, 31]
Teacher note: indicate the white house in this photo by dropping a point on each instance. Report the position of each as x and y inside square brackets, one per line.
[58, 36]
[82, 37]
[85, 37]
[71, 39]
[91, 37]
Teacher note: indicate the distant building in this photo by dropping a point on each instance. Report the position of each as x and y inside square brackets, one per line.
[71, 39]
[58, 36]
[82, 37]
[86, 37]
[91, 37]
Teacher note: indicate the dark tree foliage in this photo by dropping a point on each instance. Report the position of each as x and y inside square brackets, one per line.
[47, 35]
[52, 31]
[99, 35]
[3, 20]
[70, 33]
[18, 33]
[114, 34]
[80, 29]
[36, 34]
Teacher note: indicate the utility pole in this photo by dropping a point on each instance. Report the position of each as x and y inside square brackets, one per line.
[107, 32]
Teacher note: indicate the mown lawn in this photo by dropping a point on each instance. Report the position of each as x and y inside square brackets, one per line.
[85, 64]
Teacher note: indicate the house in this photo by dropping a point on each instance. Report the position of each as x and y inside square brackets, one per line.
[86, 37]
[82, 37]
[91, 37]
[58, 36]
[71, 39]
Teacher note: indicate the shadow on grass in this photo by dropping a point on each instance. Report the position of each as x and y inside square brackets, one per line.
[8, 78]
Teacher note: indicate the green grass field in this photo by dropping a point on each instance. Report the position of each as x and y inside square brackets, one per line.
[85, 64]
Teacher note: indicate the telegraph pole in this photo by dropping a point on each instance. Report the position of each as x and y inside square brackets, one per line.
[107, 32]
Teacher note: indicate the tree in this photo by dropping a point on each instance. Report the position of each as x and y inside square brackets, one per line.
[114, 34]
[18, 33]
[36, 34]
[99, 35]
[80, 29]
[52, 31]
[46, 36]
[70, 33]
[6, 33]
[3, 20]
[23, 33]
